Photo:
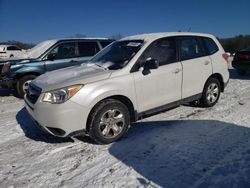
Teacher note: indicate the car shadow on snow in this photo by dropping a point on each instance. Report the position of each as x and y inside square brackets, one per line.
[33, 132]
[234, 75]
[187, 153]
[5, 92]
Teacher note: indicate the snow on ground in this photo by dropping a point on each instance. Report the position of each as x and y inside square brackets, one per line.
[184, 147]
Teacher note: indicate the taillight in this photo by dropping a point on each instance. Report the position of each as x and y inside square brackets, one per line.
[225, 56]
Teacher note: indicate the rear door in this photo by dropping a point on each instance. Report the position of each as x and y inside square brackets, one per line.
[197, 66]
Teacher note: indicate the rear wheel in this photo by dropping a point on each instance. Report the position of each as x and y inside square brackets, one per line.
[23, 84]
[211, 93]
[109, 121]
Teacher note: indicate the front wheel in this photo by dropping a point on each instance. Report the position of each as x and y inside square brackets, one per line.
[109, 121]
[23, 84]
[211, 93]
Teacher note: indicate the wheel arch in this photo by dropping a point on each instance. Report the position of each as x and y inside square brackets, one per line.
[219, 78]
[20, 75]
[125, 100]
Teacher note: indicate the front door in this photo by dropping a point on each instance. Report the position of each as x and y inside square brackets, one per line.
[64, 55]
[163, 85]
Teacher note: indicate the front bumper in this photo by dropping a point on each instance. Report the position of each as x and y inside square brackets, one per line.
[66, 119]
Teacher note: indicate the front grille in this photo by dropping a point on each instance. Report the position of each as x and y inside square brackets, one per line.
[33, 93]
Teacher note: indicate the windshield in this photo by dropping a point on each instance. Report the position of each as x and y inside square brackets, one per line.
[40, 48]
[118, 54]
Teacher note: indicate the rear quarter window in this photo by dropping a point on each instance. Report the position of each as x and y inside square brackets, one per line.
[210, 45]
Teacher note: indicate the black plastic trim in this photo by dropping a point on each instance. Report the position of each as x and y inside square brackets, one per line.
[166, 107]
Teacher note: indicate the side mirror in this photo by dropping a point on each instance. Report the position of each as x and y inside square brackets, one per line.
[51, 57]
[150, 64]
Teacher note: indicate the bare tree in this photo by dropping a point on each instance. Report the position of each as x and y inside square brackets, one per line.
[116, 36]
[78, 35]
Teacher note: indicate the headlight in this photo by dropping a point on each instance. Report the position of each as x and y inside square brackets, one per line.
[61, 95]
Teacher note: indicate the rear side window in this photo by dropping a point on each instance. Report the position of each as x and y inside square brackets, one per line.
[87, 48]
[210, 45]
[105, 43]
[163, 50]
[190, 48]
[14, 48]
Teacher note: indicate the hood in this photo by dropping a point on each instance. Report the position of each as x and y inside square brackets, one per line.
[82, 74]
[18, 61]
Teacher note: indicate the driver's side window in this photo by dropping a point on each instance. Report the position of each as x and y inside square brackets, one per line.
[64, 51]
[163, 50]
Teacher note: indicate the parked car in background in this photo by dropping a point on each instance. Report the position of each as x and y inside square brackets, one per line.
[241, 61]
[47, 56]
[11, 51]
[130, 79]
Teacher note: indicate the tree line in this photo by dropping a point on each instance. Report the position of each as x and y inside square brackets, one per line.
[236, 43]
[231, 45]
[21, 45]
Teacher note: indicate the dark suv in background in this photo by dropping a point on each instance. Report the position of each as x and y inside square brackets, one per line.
[241, 61]
[47, 56]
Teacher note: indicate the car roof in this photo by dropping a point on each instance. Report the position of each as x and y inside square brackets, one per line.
[154, 36]
[83, 39]
[7, 45]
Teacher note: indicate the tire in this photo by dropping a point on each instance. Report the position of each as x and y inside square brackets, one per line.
[241, 72]
[23, 83]
[211, 93]
[109, 121]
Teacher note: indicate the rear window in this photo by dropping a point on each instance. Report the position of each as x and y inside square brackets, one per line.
[210, 45]
[88, 48]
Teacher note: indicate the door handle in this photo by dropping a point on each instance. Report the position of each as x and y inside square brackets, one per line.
[206, 62]
[176, 71]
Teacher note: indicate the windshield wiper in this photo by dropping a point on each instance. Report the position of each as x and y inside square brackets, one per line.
[104, 68]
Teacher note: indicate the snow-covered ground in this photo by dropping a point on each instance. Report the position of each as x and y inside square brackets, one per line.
[183, 147]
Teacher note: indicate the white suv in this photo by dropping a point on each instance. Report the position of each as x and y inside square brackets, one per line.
[130, 79]
[10, 51]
